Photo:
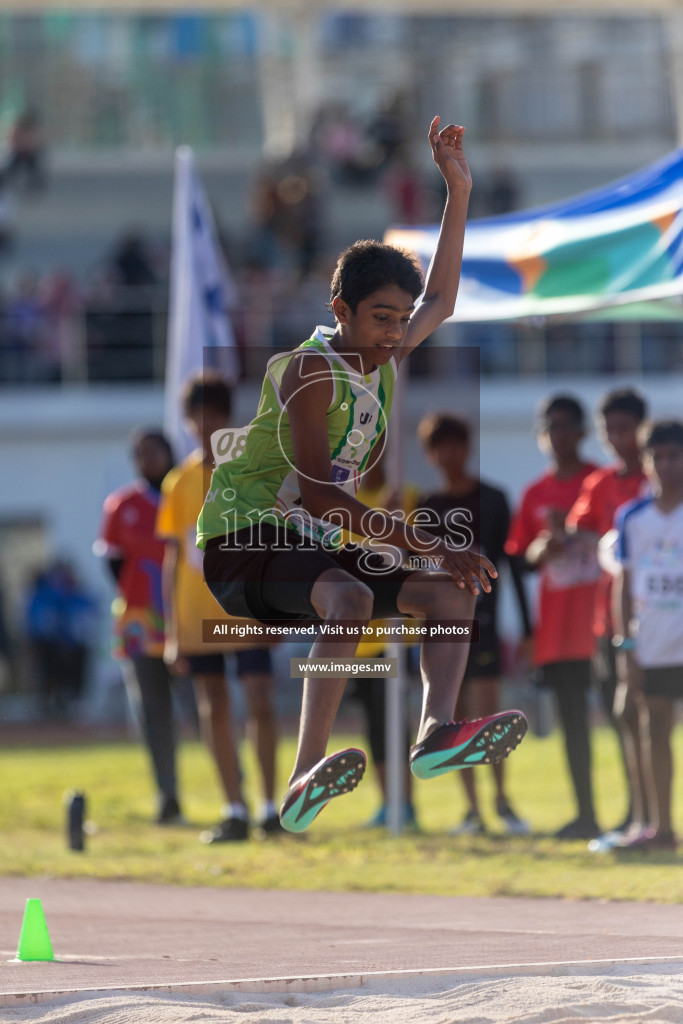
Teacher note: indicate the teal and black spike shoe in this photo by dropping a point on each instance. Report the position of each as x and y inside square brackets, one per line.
[333, 776]
[466, 744]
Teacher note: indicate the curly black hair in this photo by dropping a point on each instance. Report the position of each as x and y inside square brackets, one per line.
[368, 265]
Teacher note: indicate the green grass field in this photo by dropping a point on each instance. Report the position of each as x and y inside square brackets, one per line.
[337, 853]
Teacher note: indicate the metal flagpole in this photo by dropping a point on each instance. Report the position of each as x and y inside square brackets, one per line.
[395, 689]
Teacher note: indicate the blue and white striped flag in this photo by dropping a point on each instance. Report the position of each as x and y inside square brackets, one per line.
[202, 292]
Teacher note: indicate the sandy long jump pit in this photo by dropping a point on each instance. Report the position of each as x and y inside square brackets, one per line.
[127, 952]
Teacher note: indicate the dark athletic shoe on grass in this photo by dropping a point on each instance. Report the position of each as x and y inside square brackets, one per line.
[232, 830]
[333, 776]
[170, 813]
[466, 744]
[271, 826]
[579, 828]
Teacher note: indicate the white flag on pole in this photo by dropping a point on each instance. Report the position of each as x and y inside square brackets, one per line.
[202, 291]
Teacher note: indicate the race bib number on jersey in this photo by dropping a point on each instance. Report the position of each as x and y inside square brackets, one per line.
[229, 444]
[657, 588]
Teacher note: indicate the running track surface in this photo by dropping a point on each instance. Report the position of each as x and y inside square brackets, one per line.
[117, 935]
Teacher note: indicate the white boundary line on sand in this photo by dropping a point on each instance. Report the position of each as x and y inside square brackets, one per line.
[330, 982]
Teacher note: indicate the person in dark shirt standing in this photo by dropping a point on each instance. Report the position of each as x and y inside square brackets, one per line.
[466, 503]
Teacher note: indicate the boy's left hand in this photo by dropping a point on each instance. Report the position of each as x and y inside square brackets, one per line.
[470, 569]
[448, 155]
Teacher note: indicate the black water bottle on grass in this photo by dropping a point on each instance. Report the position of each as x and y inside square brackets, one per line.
[75, 817]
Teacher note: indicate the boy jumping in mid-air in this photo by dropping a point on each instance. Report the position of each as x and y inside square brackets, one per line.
[285, 485]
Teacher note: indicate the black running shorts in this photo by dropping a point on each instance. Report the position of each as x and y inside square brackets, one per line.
[247, 661]
[269, 575]
[664, 681]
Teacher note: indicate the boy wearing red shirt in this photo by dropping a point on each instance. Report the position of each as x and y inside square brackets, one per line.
[621, 414]
[568, 567]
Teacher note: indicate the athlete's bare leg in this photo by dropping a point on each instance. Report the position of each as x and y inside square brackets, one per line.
[337, 597]
[435, 597]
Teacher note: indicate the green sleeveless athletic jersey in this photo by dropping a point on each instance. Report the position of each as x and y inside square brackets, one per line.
[255, 477]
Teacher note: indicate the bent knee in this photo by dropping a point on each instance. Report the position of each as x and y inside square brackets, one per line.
[353, 600]
[447, 601]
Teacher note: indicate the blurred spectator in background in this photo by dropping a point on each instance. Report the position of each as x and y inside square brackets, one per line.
[206, 403]
[61, 618]
[25, 159]
[286, 207]
[41, 329]
[388, 127]
[62, 308]
[135, 558]
[648, 613]
[593, 515]
[132, 261]
[123, 298]
[357, 151]
[406, 189]
[43, 634]
[503, 192]
[41, 334]
[25, 356]
[338, 137]
[263, 204]
[563, 640]
[275, 309]
[465, 500]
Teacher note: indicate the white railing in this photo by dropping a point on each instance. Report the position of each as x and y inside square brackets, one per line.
[120, 338]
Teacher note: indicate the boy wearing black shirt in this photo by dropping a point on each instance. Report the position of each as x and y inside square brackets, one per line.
[467, 504]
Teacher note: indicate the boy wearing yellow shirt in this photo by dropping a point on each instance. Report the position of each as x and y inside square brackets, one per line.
[187, 600]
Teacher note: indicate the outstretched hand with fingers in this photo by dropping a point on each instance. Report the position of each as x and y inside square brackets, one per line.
[469, 569]
[448, 155]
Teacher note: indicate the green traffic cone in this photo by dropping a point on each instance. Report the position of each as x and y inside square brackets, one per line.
[34, 941]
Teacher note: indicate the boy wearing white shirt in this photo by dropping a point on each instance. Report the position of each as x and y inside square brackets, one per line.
[648, 616]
